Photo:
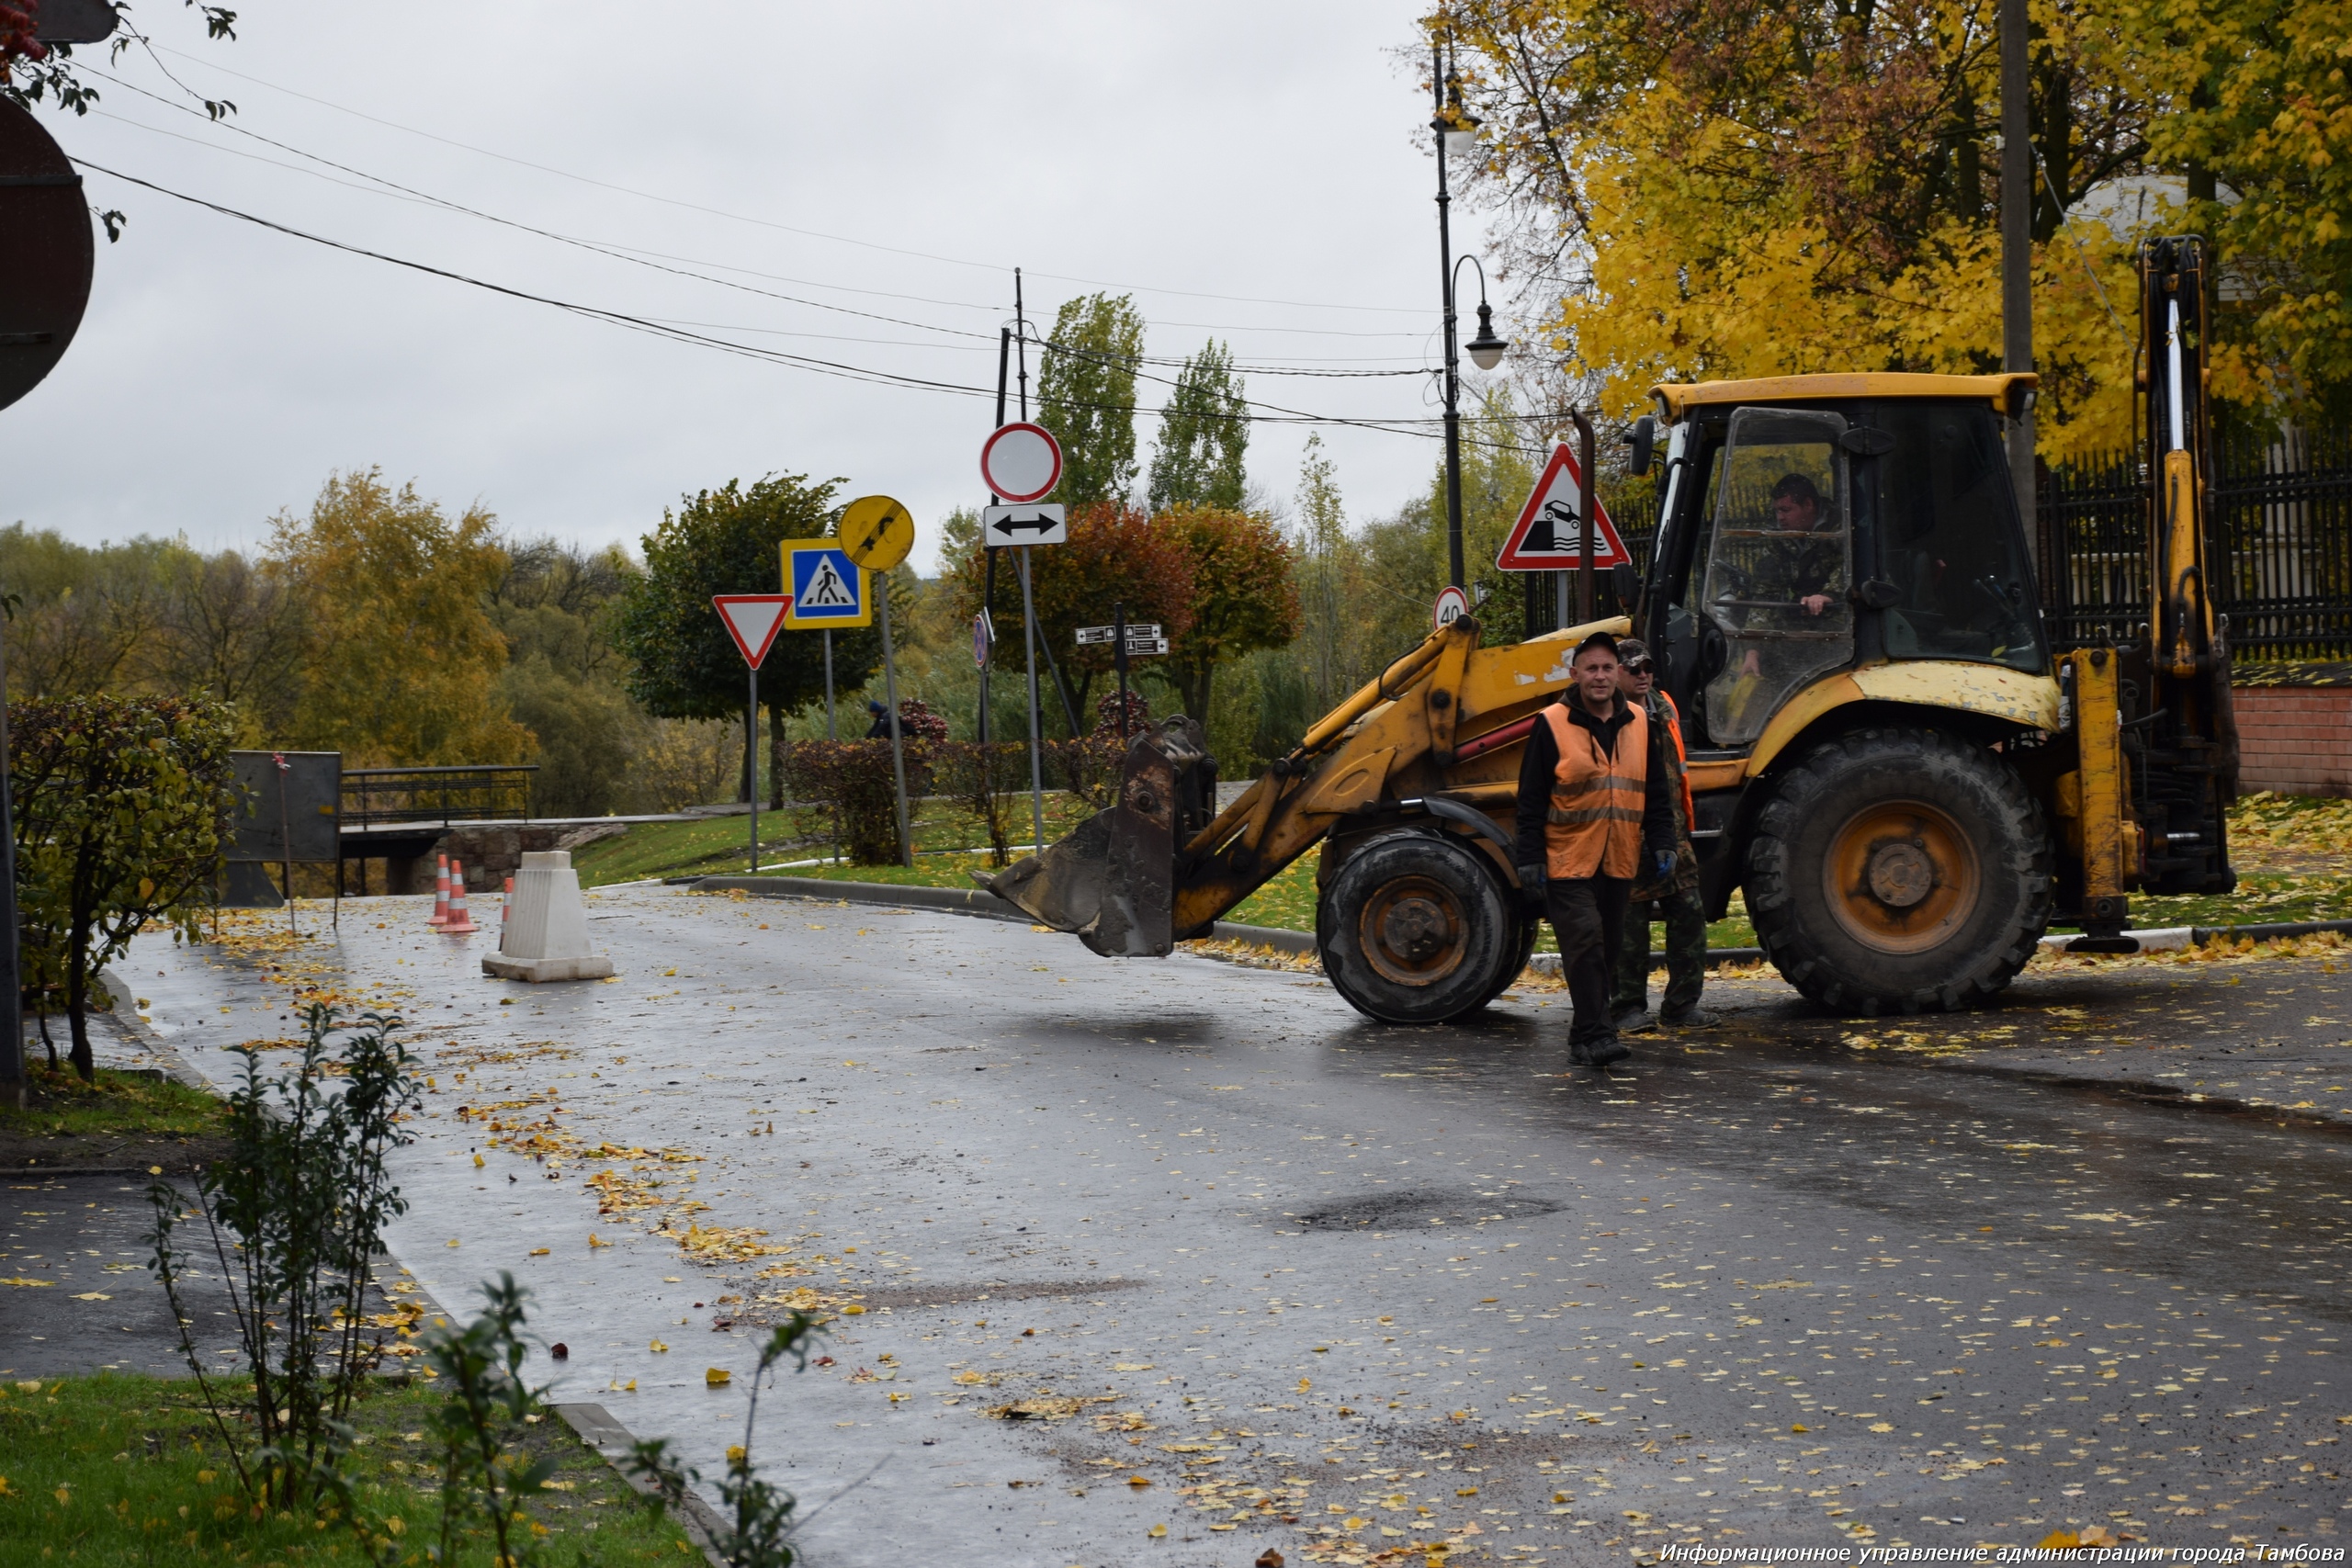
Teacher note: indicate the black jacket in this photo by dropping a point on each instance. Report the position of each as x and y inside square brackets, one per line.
[1542, 760]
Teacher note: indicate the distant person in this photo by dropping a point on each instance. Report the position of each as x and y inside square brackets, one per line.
[1593, 816]
[880, 728]
[1673, 898]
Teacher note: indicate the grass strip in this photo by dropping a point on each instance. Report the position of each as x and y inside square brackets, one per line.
[123, 1470]
[59, 1104]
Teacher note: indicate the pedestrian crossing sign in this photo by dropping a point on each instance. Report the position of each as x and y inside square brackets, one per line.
[827, 589]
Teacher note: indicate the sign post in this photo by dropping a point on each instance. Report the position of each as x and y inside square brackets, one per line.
[1021, 464]
[876, 532]
[1127, 639]
[752, 620]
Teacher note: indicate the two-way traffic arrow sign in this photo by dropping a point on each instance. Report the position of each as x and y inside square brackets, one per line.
[1033, 524]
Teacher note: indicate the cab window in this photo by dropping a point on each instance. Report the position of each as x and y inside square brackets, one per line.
[1779, 566]
[1951, 544]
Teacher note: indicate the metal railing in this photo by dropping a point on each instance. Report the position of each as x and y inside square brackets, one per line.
[498, 793]
[2278, 546]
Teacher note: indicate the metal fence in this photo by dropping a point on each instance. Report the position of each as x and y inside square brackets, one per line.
[485, 793]
[2278, 546]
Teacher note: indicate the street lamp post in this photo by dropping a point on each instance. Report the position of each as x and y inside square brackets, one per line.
[1457, 134]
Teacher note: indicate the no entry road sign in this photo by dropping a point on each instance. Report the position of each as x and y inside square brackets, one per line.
[1003, 526]
[1020, 462]
[828, 590]
[752, 620]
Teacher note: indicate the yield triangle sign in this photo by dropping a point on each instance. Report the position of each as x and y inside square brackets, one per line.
[1549, 536]
[752, 620]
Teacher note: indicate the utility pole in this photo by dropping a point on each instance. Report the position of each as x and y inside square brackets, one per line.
[1441, 125]
[2017, 235]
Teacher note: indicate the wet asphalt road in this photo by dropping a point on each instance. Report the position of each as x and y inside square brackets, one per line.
[1399, 1287]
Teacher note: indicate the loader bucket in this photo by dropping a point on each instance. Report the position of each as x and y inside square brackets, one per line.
[1112, 881]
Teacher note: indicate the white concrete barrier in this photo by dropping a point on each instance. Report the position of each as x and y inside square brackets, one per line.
[544, 933]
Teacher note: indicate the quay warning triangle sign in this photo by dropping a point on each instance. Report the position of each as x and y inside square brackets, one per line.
[1548, 536]
[752, 620]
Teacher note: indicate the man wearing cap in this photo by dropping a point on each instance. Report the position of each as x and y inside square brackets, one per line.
[1673, 898]
[1593, 816]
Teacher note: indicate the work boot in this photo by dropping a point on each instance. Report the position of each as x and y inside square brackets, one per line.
[1633, 1019]
[1597, 1052]
[1690, 1018]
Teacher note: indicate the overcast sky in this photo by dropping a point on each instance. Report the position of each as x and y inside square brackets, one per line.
[1253, 172]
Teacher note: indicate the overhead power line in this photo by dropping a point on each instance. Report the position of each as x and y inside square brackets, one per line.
[1274, 415]
[789, 228]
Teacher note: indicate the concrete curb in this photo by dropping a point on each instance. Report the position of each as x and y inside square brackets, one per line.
[126, 1018]
[987, 905]
[611, 1441]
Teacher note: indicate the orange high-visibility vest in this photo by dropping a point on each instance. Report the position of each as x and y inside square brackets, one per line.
[1594, 826]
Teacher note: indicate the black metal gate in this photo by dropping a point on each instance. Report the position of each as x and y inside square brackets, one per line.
[2281, 549]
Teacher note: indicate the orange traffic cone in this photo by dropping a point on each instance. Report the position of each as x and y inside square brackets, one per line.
[440, 916]
[461, 923]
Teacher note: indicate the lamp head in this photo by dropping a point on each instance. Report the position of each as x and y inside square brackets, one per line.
[1486, 349]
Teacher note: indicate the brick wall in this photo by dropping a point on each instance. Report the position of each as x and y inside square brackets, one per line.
[2295, 739]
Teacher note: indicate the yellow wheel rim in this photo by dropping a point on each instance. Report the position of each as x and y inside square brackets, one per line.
[1901, 876]
[1411, 931]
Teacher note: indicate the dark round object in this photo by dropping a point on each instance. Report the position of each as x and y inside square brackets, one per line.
[46, 253]
[1415, 928]
[1899, 871]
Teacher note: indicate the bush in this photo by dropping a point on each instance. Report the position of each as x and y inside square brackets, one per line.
[857, 780]
[295, 1217]
[123, 807]
[988, 781]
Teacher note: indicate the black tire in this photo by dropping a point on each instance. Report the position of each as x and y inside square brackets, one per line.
[1899, 871]
[1520, 952]
[1415, 928]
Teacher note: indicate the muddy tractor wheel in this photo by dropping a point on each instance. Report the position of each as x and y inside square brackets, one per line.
[1415, 928]
[1899, 871]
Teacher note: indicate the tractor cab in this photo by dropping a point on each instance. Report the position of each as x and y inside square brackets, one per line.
[1813, 523]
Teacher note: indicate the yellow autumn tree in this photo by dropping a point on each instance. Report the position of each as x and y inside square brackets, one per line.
[401, 660]
[1701, 188]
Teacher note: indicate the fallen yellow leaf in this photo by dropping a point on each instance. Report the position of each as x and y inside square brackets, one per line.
[1157, 1531]
[716, 1377]
[659, 1346]
[28, 1284]
[477, 1162]
[93, 1296]
[539, 1252]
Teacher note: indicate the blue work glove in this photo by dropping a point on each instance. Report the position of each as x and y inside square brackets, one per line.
[1664, 860]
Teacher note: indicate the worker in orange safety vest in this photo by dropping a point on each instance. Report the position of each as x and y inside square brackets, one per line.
[1594, 815]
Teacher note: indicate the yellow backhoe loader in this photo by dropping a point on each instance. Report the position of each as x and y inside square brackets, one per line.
[1909, 786]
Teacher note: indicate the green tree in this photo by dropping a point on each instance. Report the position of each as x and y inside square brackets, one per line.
[1117, 555]
[1244, 596]
[556, 604]
[402, 659]
[682, 664]
[1086, 396]
[122, 809]
[1203, 433]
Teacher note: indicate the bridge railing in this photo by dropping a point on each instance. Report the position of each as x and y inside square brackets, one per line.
[488, 793]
